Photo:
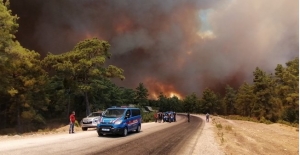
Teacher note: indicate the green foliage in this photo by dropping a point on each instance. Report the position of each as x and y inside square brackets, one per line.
[190, 103]
[229, 100]
[163, 102]
[289, 123]
[169, 104]
[209, 101]
[266, 104]
[175, 104]
[245, 101]
[264, 120]
[228, 128]
[147, 117]
[219, 126]
[141, 95]
[8, 27]
[22, 78]
[287, 89]
[83, 68]
[8, 131]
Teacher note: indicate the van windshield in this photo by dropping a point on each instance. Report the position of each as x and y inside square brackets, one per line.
[113, 113]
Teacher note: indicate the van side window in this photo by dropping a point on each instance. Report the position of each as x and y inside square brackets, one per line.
[136, 112]
[128, 113]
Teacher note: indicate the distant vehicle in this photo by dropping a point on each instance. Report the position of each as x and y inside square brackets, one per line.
[91, 120]
[169, 116]
[120, 121]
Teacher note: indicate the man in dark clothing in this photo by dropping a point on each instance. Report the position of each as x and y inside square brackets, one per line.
[72, 122]
[174, 116]
[188, 116]
[160, 117]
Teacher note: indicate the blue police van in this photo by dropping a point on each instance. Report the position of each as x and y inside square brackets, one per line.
[120, 121]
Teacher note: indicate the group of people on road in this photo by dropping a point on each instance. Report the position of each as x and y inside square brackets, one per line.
[161, 117]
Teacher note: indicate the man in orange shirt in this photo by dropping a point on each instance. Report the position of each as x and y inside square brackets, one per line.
[72, 122]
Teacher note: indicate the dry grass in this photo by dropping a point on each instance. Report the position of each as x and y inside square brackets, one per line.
[246, 137]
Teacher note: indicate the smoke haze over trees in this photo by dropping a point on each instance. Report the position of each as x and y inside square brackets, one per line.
[171, 46]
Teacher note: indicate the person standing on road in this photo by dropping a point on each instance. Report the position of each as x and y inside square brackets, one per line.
[170, 117]
[174, 116]
[188, 116]
[155, 116]
[72, 122]
[160, 117]
[207, 117]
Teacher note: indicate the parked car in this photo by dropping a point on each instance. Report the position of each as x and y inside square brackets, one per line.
[91, 120]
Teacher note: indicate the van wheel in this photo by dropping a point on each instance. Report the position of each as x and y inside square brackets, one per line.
[138, 129]
[99, 134]
[84, 129]
[125, 132]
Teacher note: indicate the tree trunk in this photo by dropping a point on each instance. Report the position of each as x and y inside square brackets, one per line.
[88, 111]
[68, 103]
[18, 118]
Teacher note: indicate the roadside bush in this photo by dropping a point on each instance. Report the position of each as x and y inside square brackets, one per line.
[8, 131]
[264, 120]
[147, 117]
[228, 127]
[219, 125]
[288, 123]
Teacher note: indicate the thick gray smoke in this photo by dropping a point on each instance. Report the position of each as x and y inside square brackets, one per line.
[172, 46]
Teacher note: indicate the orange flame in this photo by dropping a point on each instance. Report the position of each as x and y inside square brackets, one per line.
[155, 88]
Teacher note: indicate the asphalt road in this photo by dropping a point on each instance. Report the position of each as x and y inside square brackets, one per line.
[154, 138]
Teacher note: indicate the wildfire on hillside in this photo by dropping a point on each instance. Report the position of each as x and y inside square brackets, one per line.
[156, 88]
[174, 47]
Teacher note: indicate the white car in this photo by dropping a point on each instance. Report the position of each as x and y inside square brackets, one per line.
[91, 120]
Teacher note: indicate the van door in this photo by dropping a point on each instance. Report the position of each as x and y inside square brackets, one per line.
[128, 119]
[135, 113]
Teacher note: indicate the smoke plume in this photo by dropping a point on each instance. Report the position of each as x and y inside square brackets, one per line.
[172, 46]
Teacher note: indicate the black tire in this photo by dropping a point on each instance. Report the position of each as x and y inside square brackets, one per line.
[99, 134]
[125, 132]
[84, 129]
[138, 129]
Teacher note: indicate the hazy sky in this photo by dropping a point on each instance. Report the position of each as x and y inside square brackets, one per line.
[172, 46]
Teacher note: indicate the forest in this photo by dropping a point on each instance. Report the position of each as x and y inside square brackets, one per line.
[35, 90]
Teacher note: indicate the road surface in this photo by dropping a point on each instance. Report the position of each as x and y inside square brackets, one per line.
[154, 138]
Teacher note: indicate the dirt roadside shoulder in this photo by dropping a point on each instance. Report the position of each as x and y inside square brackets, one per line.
[245, 137]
